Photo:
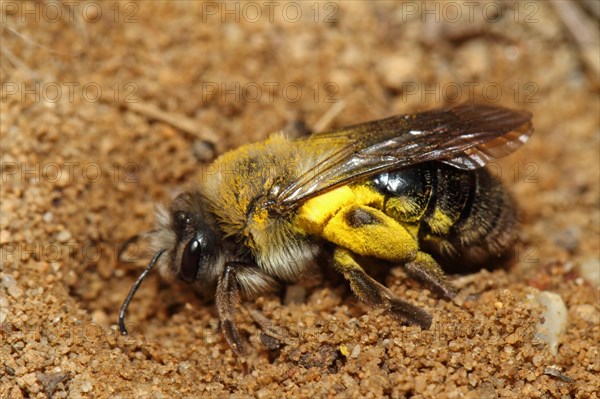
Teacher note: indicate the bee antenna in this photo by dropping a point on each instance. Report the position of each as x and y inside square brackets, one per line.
[133, 290]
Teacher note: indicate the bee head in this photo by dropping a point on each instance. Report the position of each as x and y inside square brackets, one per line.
[188, 246]
[191, 237]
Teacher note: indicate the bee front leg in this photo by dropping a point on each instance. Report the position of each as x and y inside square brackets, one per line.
[373, 293]
[227, 298]
[425, 269]
[239, 278]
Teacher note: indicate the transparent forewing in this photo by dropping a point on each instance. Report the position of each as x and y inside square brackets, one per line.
[466, 136]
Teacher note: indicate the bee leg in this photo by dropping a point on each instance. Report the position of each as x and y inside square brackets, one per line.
[425, 269]
[239, 278]
[367, 231]
[374, 294]
[227, 298]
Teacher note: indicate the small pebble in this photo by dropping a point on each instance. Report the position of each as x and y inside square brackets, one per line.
[8, 281]
[355, 352]
[99, 317]
[420, 383]
[29, 379]
[554, 319]
[47, 217]
[64, 236]
[264, 393]
[86, 386]
[15, 291]
[184, 366]
[589, 269]
[586, 312]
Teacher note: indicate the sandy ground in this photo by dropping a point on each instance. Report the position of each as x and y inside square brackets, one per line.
[106, 110]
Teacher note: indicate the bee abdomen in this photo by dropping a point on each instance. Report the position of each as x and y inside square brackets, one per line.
[488, 225]
[407, 192]
[461, 214]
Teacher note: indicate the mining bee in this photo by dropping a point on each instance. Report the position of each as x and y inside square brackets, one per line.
[407, 190]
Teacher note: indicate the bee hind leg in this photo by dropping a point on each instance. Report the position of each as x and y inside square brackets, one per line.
[425, 269]
[374, 294]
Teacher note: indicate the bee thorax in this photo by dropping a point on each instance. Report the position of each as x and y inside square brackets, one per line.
[287, 260]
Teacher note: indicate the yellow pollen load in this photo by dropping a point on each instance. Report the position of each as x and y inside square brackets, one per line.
[315, 213]
[365, 195]
[384, 238]
[329, 215]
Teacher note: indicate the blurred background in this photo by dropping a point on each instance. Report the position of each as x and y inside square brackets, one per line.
[108, 108]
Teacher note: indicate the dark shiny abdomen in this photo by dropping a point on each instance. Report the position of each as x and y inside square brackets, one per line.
[462, 215]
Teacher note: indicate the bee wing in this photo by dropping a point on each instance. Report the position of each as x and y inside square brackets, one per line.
[466, 136]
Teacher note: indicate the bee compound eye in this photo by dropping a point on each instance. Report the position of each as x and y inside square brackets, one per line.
[190, 260]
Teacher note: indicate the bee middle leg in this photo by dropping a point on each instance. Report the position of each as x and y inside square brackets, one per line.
[375, 294]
